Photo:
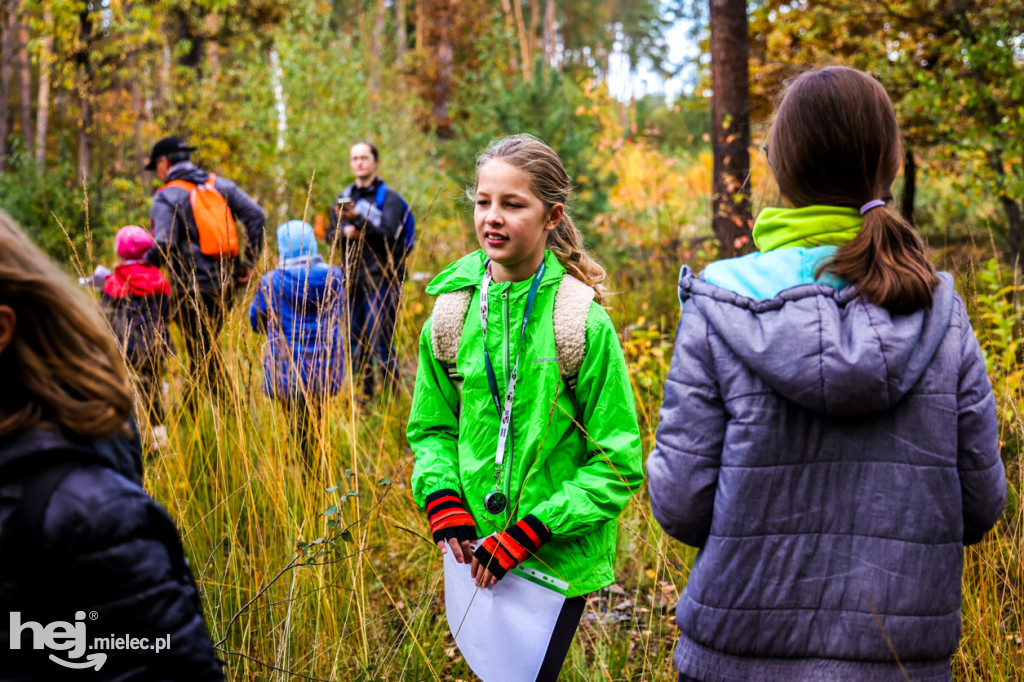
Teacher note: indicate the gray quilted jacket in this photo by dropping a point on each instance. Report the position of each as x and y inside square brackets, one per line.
[830, 461]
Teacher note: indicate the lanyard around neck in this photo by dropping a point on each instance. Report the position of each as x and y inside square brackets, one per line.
[492, 381]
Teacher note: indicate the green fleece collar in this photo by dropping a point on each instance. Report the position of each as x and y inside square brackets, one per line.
[469, 270]
[777, 228]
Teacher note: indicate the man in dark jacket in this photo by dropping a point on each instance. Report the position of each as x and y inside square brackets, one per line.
[203, 285]
[370, 233]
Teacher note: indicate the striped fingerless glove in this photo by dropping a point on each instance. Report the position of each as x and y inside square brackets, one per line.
[448, 518]
[501, 552]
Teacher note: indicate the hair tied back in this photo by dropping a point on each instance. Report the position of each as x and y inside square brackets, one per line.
[874, 203]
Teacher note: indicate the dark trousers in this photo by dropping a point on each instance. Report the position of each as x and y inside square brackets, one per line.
[303, 414]
[372, 332]
[149, 387]
[686, 678]
[200, 315]
[558, 648]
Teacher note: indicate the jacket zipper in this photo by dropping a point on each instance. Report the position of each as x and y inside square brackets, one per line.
[511, 440]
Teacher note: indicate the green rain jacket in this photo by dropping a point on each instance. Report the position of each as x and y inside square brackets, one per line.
[576, 484]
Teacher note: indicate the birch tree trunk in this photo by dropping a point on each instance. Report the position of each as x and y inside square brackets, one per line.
[730, 126]
[43, 97]
[277, 84]
[550, 41]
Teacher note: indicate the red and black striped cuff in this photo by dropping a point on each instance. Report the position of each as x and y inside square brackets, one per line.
[448, 518]
[503, 551]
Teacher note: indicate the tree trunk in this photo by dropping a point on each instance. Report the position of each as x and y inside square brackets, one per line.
[25, 81]
[139, 113]
[550, 40]
[277, 84]
[7, 23]
[193, 58]
[43, 97]
[1015, 229]
[730, 126]
[510, 29]
[376, 50]
[85, 113]
[210, 25]
[909, 185]
[534, 25]
[443, 20]
[401, 30]
[421, 24]
[524, 40]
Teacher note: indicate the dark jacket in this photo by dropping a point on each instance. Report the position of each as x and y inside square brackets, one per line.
[377, 256]
[109, 559]
[177, 238]
[830, 461]
[298, 306]
[136, 301]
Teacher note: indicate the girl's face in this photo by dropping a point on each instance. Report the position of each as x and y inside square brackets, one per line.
[512, 223]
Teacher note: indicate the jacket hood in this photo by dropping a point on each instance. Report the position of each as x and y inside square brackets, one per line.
[468, 271]
[303, 278]
[187, 171]
[296, 239]
[136, 279]
[827, 350]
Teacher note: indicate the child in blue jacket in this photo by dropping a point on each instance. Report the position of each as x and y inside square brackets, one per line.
[298, 306]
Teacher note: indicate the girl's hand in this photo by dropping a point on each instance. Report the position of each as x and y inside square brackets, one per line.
[460, 550]
[450, 524]
[501, 552]
[483, 576]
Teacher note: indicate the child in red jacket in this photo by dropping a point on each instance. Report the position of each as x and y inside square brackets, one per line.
[136, 298]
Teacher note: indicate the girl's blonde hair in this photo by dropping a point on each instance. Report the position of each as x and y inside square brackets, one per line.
[62, 366]
[552, 184]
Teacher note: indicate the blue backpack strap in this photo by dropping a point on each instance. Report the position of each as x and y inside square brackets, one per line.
[381, 193]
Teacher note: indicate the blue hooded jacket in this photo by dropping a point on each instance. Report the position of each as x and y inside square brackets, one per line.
[830, 461]
[299, 307]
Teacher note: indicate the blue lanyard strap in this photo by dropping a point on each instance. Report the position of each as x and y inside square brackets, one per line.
[505, 411]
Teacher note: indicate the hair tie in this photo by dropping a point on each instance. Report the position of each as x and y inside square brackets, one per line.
[874, 203]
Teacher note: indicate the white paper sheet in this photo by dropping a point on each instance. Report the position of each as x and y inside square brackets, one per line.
[503, 631]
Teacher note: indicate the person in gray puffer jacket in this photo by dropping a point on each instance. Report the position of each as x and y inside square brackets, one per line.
[828, 436]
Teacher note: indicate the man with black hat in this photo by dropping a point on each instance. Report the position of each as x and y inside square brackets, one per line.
[193, 220]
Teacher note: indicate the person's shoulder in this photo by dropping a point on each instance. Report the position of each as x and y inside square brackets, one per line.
[95, 504]
[391, 192]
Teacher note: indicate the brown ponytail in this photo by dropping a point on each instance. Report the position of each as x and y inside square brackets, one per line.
[888, 264]
[835, 141]
[552, 184]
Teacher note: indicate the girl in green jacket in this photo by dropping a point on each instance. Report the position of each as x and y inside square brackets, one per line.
[529, 443]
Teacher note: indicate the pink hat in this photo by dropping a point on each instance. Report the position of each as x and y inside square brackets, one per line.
[132, 242]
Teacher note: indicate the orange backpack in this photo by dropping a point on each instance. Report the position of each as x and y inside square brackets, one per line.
[218, 236]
